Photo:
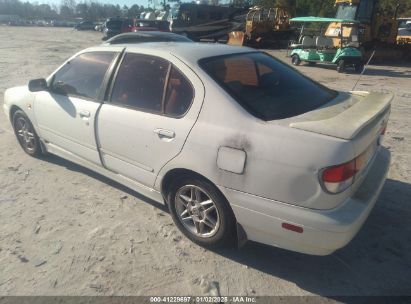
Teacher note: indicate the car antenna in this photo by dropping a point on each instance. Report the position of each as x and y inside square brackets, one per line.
[363, 70]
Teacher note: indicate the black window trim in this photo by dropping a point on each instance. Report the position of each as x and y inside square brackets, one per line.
[113, 78]
[103, 85]
[106, 89]
[203, 61]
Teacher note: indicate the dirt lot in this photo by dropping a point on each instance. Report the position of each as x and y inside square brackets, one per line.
[67, 231]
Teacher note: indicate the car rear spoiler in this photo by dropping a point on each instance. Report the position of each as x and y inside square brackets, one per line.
[349, 123]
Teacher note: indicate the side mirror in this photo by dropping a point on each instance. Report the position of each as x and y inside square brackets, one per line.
[37, 85]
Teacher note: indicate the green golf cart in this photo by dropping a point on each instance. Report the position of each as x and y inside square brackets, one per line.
[327, 41]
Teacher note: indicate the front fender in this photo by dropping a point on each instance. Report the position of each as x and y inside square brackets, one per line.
[22, 98]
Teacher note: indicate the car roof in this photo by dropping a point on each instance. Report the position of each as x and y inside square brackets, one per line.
[188, 52]
[146, 36]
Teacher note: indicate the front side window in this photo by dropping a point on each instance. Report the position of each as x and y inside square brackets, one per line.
[83, 75]
[264, 86]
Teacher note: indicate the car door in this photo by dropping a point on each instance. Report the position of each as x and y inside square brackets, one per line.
[154, 104]
[65, 113]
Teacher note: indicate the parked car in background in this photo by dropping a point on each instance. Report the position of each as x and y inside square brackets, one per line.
[117, 26]
[18, 23]
[58, 23]
[99, 27]
[84, 26]
[234, 141]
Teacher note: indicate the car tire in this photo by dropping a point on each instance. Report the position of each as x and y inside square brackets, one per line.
[341, 66]
[201, 212]
[295, 59]
[26, 135]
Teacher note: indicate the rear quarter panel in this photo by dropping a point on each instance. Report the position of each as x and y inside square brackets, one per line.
[281, 164]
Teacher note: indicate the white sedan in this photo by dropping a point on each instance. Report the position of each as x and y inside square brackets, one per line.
[239, 145]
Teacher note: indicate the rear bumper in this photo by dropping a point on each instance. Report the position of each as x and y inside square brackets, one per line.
[324, 230]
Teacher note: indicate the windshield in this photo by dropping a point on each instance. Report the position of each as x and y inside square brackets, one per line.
[264, 86]
[346, 12]
[404, 24]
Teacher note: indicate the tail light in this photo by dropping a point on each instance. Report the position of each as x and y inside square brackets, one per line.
[382, 132]
[384, 128]
[336, 179]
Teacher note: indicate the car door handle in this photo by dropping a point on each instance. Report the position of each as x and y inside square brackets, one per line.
[84, 114]
[162, 133]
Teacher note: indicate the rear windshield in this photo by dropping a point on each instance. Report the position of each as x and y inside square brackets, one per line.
[264, 86]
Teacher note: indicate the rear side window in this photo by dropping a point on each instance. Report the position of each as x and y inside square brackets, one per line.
[152, 84]
[83, 75]
[140, 82]
[265, 87]
[179, 94]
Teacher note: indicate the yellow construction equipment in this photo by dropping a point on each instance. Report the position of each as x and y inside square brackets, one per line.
[404, 31]
[378, 28]
[264, 26]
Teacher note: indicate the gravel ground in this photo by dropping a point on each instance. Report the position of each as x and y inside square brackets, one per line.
[65, 230]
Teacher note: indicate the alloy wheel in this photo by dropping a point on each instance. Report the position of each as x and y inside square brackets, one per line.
[25, 134]
[197, 211]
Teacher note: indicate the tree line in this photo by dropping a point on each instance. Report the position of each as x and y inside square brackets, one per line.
[326, 8]
[90, 10]
[68, 10]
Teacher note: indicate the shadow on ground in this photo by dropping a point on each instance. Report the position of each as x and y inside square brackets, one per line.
[376, 262]
[388, 73]
[77, 168]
